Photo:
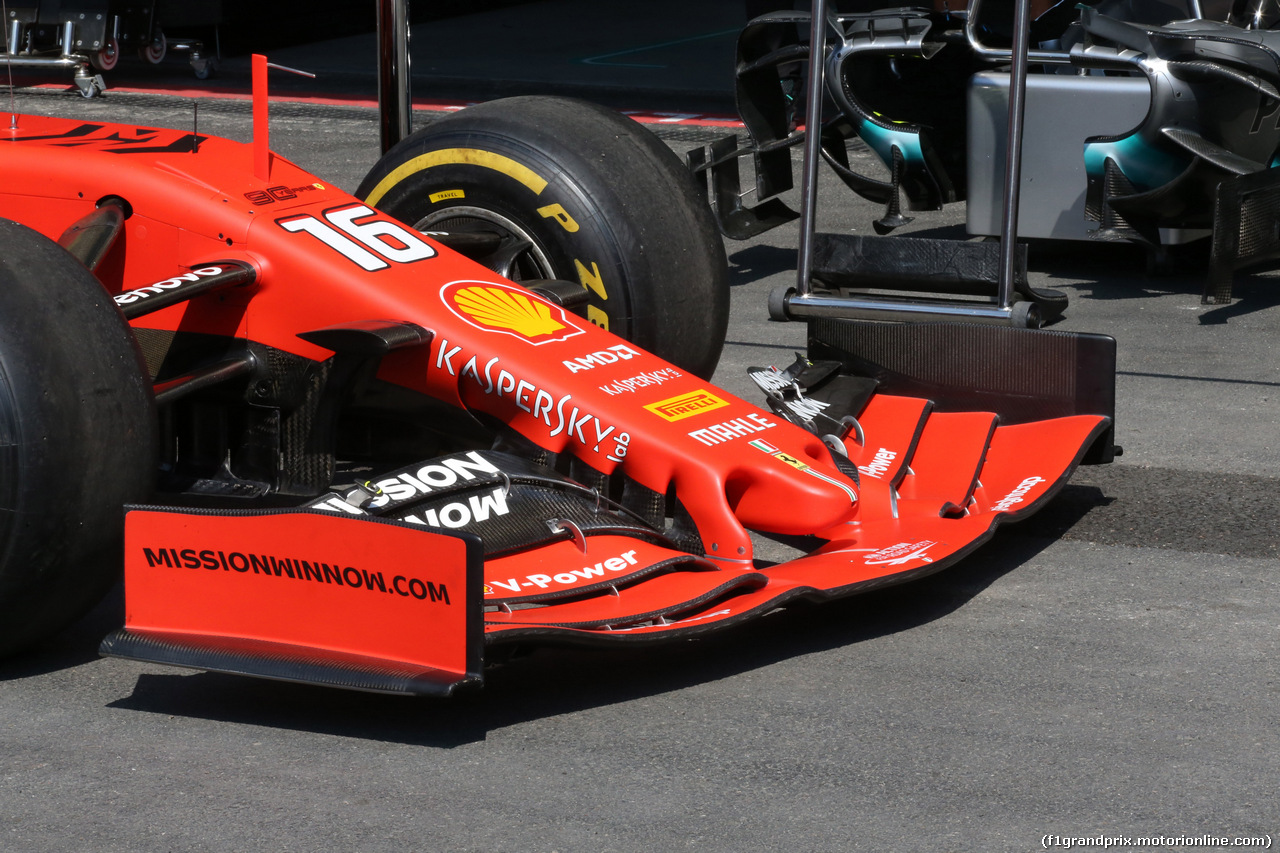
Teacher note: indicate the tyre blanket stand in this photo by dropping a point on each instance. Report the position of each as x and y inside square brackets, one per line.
[142, 30]
[87, 37]
[1173, 118]
[73, 36]
[911, 280]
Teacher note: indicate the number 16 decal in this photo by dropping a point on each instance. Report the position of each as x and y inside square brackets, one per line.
[373, 244]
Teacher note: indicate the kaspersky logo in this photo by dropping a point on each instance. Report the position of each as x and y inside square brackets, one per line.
[509, 310]
[686, 405]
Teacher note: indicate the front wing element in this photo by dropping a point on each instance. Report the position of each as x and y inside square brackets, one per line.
[337, 595]
[303, 596]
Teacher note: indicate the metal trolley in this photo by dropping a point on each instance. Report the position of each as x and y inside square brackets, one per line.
[88, 37]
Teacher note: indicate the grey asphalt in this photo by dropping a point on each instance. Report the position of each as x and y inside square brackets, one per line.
[1106, 668]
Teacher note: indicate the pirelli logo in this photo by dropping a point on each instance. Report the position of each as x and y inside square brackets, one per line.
[686, 405]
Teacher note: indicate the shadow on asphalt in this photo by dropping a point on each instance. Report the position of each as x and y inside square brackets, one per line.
[1118, 271]
[547, 682]
[1205, 512]
[72, 647]
[1184, 271]
[750, 265]
[1252, 291]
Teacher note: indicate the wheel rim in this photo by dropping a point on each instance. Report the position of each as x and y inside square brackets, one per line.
[108, 56]
[155, 50]
[528, 264]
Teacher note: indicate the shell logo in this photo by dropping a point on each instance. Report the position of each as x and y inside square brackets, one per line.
[499, 308]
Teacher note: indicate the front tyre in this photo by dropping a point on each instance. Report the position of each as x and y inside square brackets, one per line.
[576, 192]
[76, 437]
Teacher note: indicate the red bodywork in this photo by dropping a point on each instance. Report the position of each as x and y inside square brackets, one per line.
[932, 485]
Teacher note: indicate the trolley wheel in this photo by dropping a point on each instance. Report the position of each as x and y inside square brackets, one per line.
[155, 50]
[778, 302]
[204, 68]
[106, 58]
[575, 192]
[89, 85]
[77, 437]
[1026, 315]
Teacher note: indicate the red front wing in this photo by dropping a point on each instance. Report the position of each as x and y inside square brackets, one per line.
[232, 592]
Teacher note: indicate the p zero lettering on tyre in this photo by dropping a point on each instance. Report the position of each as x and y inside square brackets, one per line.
[580, 193]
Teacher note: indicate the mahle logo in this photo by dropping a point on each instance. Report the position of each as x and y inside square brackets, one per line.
[686, 405]
[498, 308]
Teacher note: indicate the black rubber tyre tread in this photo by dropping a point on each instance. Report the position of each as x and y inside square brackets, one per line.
[77, 437]
[1026, 315]
[639, 213]
[778, 302]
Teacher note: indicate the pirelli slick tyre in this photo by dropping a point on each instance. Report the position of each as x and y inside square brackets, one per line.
[599, 200]
[76, 437]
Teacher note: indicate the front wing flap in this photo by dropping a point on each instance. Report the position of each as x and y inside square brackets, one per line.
[306, 596]
[901, 538]
[339, 596]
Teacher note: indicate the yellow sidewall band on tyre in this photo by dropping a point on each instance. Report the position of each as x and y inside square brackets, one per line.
[459, 157]
[587, 270]
[594, 198]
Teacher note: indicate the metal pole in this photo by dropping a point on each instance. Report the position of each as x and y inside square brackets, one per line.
[1013, 151]
[395, 95]
[816, 305]
[973, 34]
[812, 145]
